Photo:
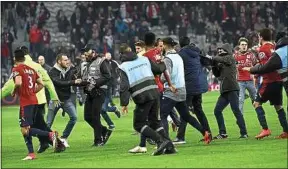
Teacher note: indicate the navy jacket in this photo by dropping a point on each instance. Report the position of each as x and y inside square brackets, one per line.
[195, 77]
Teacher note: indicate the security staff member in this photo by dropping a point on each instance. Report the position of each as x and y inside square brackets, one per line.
[95, 80]
[137, 79]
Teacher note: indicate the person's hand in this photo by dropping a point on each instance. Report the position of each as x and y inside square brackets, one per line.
[78, 81]
[124, 110]
[173, 88]
[56, 103]
[246, 68]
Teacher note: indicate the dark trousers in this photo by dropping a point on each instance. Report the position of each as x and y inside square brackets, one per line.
[167, 105]
[40, 123]
[194, 101]
[152, 127]
[92, 110]
[224, 99]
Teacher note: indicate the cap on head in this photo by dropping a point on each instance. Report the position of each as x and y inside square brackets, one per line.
[169, 41]
[24, 49]
[279, 36]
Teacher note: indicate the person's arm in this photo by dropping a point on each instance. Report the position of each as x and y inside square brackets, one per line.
[168, 71]
[227, 60]
[39, 85]
[18, 83]
[106, 74]
[216, 69]
[157, 68]
[124, 89]
[7, 89]
[271, 65]
[47, 82]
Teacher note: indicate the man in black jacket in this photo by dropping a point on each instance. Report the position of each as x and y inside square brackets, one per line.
[224, 67]
[63, 78]
[95, 79]
[196, 85]
[137, 80]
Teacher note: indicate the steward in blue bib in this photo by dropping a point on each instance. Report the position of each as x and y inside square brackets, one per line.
[137, 80]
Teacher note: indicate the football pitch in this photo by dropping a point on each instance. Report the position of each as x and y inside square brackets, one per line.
[230, 153]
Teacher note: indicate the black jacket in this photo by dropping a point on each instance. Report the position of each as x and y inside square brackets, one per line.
[195, 77]
[224, 67]
[105, 70]
[273, 64]
[125, 89]
[62, 80]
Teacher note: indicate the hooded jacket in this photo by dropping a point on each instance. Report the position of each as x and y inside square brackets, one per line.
[195, 77]
[275, 63]
[224, 67]
[126, 89]
[62, 80]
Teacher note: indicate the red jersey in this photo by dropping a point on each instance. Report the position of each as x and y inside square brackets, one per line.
[265, 52]
[246, 59]
[26, 91]
[151, 55]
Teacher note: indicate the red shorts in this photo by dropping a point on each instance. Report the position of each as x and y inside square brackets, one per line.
[26, 115]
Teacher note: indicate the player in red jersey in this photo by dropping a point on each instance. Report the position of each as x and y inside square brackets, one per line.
[27, 84]
[270, 88]
[245, 58]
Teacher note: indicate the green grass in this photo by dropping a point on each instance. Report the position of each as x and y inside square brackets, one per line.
[266, 153]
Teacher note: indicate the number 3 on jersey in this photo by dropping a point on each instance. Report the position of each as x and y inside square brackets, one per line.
[30, 82]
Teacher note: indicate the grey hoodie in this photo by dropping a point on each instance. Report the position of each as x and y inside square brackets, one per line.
[224, 67]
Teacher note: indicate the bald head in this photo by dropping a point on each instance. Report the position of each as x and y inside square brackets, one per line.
[108, 56]
[41, 60]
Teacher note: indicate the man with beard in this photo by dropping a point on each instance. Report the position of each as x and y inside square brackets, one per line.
[95, 79]
[63, 78]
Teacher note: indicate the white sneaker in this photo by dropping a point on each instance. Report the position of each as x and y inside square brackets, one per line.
[29, 157]
[65, 142]
[138, 149]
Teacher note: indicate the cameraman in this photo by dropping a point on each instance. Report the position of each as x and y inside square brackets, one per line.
[96, 78]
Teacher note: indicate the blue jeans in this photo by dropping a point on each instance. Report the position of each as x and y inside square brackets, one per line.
[106, 108]
[70, 109]
[224, 99]
[249, 85]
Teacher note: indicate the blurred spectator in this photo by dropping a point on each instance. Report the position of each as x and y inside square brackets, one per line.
[46, 38]
[62, 21]
[152, 13]
[104, 47]
[200, 32]
[49, 55]
[11, 17]
[171, 22]
[35, 38]
[6, 45]
[109, 38]
[94, 43]
[44, 14]
[76, 20]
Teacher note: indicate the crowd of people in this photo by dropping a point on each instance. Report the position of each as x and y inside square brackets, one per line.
[160, 78]
[149, 68]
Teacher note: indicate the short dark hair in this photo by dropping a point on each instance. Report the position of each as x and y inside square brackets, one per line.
[24, 49]
[149, 39]
[59, 56]
[266, 34]
[184, 41]
[19, 55]
[123, 48]
[242, 39]
[140, 43]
